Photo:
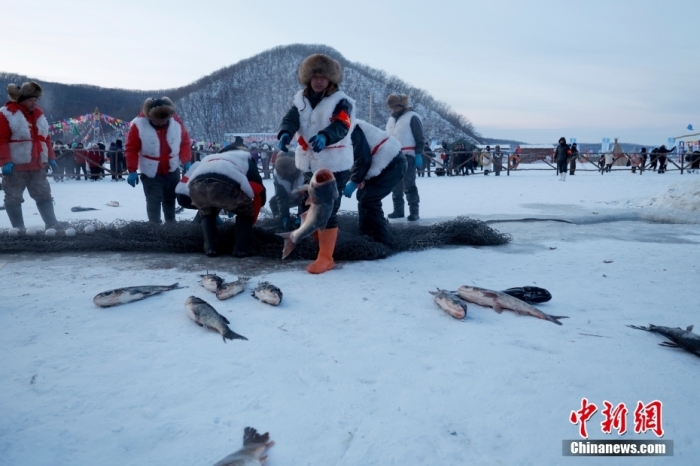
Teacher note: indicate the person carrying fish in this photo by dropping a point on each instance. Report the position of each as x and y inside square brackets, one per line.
[228, 180]
[25, 150]
[406, 126]
[379, 165]
[322, 116]
[156, 146]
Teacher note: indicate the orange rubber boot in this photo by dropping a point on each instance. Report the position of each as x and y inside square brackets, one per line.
[326, 246]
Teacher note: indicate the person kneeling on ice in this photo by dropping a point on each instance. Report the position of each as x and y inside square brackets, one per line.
[287, 180]
[379, 166]
[323, 117]
[227, 180]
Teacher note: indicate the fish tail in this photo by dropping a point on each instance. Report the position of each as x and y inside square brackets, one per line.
[555, 319]
[174, 286]
[231, 335]
[288, 244]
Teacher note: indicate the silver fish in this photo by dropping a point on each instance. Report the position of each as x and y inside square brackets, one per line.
[82, 209]
[450, 303]
[268, 293]
[684, 339]
[322, 191]
[228, 290]
[500, 301]
[211, 282]
[206, 316]
[252, 453]
[129, 294]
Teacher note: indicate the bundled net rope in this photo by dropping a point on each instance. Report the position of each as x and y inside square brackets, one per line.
[186, 237]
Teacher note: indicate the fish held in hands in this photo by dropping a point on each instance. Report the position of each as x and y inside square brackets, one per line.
[253, 451]
[129, 294]
[228, 290]
[206, 316]
[501, 301]
[450, 303]
[268, 293]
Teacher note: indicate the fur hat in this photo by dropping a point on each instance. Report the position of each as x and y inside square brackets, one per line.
[28, 90]
[397, 99]
[158, 109]
[320, 64]
[286, 168]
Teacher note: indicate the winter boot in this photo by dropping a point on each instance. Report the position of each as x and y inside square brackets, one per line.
[398, 212]
[244, 231]
[14, 211]
[326, 246]
[47, 213]
[169, 211]
[563, 176]
[153, 211]
[414, 213]
[209, 231]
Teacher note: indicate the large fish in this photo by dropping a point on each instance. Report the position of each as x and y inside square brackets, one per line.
[254, 445]
[322, 192]
[129, 294]
[268, 293]
[684, 339]
[450, 303]
[206, 316]
[500, 301]
[228, 290]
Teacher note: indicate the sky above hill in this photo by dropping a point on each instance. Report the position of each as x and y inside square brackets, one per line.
[531, 71]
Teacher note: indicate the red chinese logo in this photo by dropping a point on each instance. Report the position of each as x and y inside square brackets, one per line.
[614, 418]
[648, 418]
[582, 416]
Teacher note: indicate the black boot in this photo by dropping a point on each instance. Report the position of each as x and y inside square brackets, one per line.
[47, 213]
[397, 213]
[14, 211]
[210, 233]
[169, 211]
[244, 231]
[153, 211]
[414, 213]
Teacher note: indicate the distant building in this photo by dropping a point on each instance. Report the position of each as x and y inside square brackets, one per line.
[531, 152]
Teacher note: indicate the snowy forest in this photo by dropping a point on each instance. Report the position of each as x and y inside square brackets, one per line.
[252, 96]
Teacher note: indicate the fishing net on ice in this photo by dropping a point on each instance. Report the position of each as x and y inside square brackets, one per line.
[186, 237]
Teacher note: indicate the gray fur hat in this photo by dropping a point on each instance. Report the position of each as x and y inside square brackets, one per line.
[397, 99]
[28, 90]
[320, 64]
[286, 168]
[158, 109]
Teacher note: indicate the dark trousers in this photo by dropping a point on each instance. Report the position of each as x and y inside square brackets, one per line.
[407, 186]
[369, 200]
[662, 164]
[34, 181]
[572, 166]
[81, 167]
[160, 191]
[341, 179]
[561, 166]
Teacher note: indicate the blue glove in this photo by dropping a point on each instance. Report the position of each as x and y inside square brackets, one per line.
[284, 140]
[7, 168]
[286, 224]
[54, 164]
[418, 160]
[350, 188]
[297, 222]
[187, 166]
[318, 142]
[133, 179]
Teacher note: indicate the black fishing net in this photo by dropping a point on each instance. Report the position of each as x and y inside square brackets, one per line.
[186, 237]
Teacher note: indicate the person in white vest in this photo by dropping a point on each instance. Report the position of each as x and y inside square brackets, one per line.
[156, 146]
[322, 116]
[379, 165]
[25, 151]
[406, 126]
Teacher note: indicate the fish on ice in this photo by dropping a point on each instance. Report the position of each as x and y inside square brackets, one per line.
[206, 316]
[500, 301]
[322, 192]
[228, 290]
[129, 294]
[82, 209]
[252, 453]
[530, 294]
[211, 282]
[268, 293]
[684, 339]
[450, 303]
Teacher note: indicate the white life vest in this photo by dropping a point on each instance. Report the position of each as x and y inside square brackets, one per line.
[383, 146]
[231, 164]
[336, 157]
[149, 155]
[21, 142]
[181, 187]
[401, 130]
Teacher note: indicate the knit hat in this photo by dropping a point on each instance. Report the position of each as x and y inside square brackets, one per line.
[29, 90]
[322, 65]
[158, 109]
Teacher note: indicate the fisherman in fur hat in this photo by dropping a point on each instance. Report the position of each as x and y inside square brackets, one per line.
[25, 150]
[406, 126]
[156, 146]
[323, 117]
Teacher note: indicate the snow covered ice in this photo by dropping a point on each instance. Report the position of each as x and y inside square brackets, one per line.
[359, 366]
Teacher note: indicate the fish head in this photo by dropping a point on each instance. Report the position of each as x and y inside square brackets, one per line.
[323, 188]
[192, 300]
